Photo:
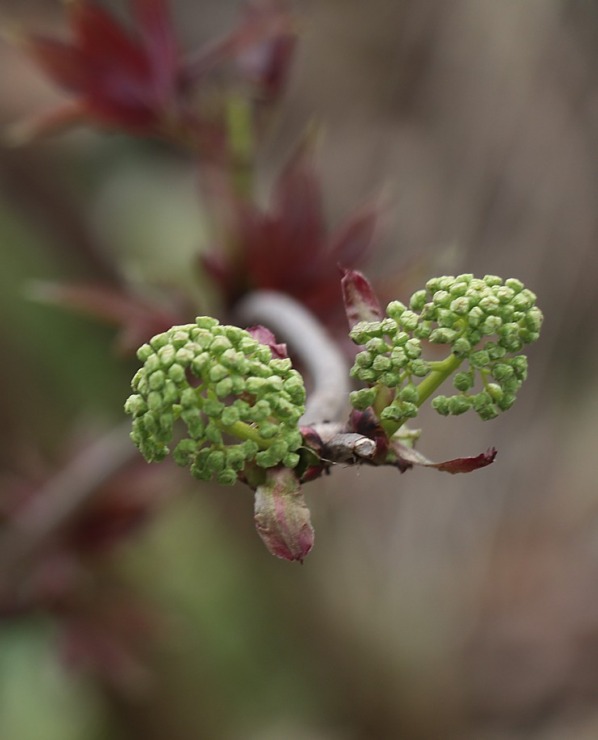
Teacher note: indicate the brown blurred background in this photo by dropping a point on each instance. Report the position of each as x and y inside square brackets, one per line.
[432, 606]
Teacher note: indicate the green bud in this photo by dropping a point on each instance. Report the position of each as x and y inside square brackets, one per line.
[515, 285]
[395, 310]
[461, 305]
[230, 416]
[441, 298]
[224, 388]
[398, 358]
[388, 326]
[458, 405]
[419, 368]
[443, 336]
[418, 300]
[424, 330]
[227, 477]
[463, 381]
[154, 401]
[381, 363]
[364, 359]
[291, 460]
[135, 405]
[441, 405]
[392, 413]
[461, 347]
[507, 400]
[519, 365]
[495, 391]
[363, 398]
[176, 373]
[479, 359]
[491, 325]
[144, 352]
[486, 413]
[409, 394]
[390, 379]
[377, 346]
[409, 320]
[475, 317]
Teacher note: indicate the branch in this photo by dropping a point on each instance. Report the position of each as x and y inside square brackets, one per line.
[63, 496]
[315, 349]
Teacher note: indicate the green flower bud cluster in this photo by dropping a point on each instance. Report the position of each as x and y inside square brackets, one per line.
[239, 404]
[484, 322]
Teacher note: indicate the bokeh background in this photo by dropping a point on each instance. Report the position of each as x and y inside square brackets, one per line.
[432, 606]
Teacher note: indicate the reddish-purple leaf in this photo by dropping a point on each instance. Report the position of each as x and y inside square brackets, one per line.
[137, 318]
[282, 518]
[157, 32]
[265, 336]
[407, 457]
[105, 44]
[298, 207]
[266, 63]
[361, 302]
[63, 63]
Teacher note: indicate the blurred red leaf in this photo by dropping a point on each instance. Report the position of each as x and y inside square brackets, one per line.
[409, 457]
[361, 302]
[138, 318]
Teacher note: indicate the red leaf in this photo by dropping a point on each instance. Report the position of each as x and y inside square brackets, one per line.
[265, 336]
[407, 457]
[361, 302]
[137, 318]
[282, 518]
[155, 25]
[105, 44]
[61, 62]
[267, 62]
[298, 207]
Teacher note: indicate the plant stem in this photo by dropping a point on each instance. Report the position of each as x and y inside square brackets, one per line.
[317, 353]
[242, 144]
[439, 373]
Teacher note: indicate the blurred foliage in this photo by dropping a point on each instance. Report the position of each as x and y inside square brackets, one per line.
[430, 608]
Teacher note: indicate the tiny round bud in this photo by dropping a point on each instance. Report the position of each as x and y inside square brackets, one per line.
[418, 300]
[363, 398]
[459, 405]
[463, 381]
[395, 309]
[441, 405]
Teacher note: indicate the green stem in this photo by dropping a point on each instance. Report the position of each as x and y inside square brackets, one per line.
[241, 143]
[244, 431]
[440, 371]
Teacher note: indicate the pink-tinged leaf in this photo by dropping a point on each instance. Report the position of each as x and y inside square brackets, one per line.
[62, 63]
[298, 208]
[46, 124]
[407, 457]
[271, 22]
[267, 62]
[361, 302]
[265, 336]
[137, 318]
[157, 32]
[282, 518]
[217, 268]
[107, 47]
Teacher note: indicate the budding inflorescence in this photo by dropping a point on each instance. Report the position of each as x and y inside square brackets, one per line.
[484, 322]
[238, 403]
